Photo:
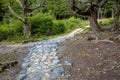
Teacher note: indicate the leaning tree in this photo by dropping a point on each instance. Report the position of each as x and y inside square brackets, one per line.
[90, 11]
[25, 8]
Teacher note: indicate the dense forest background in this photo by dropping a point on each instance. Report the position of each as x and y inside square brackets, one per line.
[23, 19]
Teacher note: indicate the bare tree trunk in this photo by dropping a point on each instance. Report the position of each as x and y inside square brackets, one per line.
[116, 15]
[27, 30]
[27, 27]
[93, 21]
[90, 11]
[25, 21]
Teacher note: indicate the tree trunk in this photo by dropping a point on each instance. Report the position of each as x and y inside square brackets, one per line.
[27, 30]
[27, 27]
[93, 21]
[116, 16]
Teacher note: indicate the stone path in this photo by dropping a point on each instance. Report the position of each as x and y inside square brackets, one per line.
[43, 63]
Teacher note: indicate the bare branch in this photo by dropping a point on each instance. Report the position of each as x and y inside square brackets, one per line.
[89, 6]
[12, 11]
[102, 3]
[31, 9]
[78, 10]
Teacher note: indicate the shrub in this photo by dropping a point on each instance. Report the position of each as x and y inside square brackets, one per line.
[3, 35]
[72, 23]
[41, 23]
[105, 22]
[44, 24]
[16, 28]
[58, 27]
[11, 30]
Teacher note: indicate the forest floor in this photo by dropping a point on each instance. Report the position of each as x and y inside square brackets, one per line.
[93, 56]
[12, 52]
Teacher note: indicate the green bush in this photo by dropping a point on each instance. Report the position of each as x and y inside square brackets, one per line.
[44, 24]
[58, 27]
[105, 22]
[11, 30]
[41, 23]
[3, 35]
[72, 23]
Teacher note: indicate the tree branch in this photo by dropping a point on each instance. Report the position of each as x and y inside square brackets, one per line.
[31, 9]
[89, 6]
[102, 3]
[78, 10]
[11, 10]
[18, 1]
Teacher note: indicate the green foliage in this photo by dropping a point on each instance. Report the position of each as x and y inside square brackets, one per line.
[105, 22]
[41, 24]
[58, 27]
[13, 29]
[3, 9]
[72, 23]
[59, 8]
[44, 24]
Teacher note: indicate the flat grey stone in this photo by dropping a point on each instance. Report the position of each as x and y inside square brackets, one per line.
[21, 77]
[45, 78]
[56, 61]
[22, 72]
[68, 63]
[57, 72]
[24, 66]
[41, 63]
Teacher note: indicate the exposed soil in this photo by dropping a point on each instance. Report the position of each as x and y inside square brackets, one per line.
[93, 58]
[13, 52]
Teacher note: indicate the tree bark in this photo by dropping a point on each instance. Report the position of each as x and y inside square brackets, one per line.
[90, 11]
[27, 27]
[27, 30]
[116, 15]
[93, 21]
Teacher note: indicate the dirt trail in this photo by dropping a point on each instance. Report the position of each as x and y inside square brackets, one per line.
[92, 58]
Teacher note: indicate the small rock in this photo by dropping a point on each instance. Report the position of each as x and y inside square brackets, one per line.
[41, 63]
[22, 72]
[35, 76]
[78, 69]
[47, 74]
[24, 66]
[43, 58]
[56, 61]
[68, 63]
[55, 49]
[53, 53]
[45, 78]
[57, 72]
[21, 77]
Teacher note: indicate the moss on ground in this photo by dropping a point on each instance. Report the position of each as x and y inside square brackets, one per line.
[7, 60]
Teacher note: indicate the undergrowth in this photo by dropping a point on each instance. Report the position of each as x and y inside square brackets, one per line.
[44, 26]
